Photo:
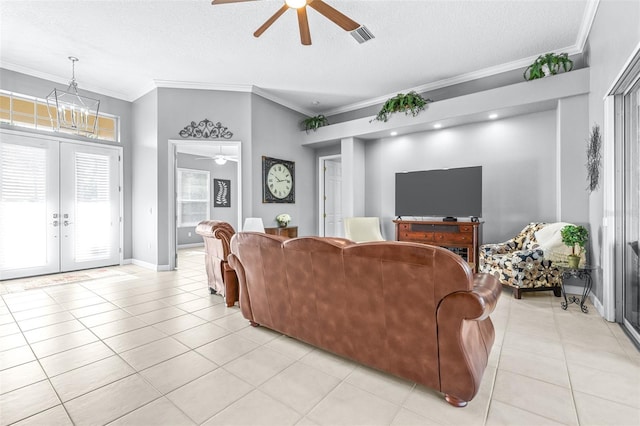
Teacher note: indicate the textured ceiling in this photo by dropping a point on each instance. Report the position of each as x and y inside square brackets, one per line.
[128, 47]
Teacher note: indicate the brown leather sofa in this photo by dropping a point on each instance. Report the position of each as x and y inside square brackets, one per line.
[412, 310]
[221, 277]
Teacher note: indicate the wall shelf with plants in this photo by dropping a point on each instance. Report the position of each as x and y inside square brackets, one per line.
[515, 99]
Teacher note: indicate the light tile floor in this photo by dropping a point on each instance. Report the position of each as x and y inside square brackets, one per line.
[155, 348]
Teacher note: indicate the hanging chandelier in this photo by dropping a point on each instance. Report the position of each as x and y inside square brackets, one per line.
[69, 110]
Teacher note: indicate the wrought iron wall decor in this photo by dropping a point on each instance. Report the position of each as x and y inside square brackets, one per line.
[206, 129]
[222, 191]
[593, 158]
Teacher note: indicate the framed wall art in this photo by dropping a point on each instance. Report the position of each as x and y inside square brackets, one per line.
[221, 193]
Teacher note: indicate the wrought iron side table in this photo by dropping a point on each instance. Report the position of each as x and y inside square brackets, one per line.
[582, 273]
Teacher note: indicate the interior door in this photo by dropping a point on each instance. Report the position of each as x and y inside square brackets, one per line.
[333, 226]
[89, 206]
[29, 200]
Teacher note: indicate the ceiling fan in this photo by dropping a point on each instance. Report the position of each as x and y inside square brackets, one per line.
[320, 6]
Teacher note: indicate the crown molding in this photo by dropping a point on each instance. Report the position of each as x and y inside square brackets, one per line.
[171, 84]
[274, 98]
[463, 78]
[587, 22]
[577, 48]
[62, 80]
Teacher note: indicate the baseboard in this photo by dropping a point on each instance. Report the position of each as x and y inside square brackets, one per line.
[190, 245]
[150, 266]
[598, 305]
[127, 261]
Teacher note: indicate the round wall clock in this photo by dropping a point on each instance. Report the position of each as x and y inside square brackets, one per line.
[278, 181]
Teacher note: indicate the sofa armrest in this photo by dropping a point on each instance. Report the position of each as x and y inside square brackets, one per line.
[243, 296]
[466, 336]
[488, 250]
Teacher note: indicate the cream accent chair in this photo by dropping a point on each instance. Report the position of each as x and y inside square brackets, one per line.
[362, 229]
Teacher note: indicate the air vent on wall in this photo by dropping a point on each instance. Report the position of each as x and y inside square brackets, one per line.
[362, 34]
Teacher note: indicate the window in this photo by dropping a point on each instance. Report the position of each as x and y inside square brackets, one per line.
[193, 201]
[33, 113]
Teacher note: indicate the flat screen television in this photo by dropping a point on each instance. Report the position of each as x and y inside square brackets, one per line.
[444, 192]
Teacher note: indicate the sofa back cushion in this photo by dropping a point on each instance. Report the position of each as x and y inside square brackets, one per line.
[363, 301]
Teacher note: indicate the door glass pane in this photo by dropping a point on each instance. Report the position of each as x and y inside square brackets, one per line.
[92, 207]
[632, 210]
[23, 206]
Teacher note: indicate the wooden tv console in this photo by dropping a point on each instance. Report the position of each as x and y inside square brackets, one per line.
[462, 238]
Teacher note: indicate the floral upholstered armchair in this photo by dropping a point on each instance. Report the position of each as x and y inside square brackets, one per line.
[521, 262]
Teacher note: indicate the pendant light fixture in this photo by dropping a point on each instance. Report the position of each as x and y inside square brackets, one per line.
[70, 110]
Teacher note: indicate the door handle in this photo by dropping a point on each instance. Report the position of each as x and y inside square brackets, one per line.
[66, 223]
[54, 223]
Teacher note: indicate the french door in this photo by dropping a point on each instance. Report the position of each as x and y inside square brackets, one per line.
[59, 206]
[631, 215]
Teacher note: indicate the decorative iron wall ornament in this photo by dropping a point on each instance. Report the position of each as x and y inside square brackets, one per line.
[593, 158]
[206, 129]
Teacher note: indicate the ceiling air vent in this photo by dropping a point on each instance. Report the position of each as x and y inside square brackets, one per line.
[362, 34]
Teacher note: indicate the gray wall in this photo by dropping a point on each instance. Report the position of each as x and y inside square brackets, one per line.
[275, 131]
[176, 109]
[518, 159]
[228, 214]
[40, 88]
[614, 35]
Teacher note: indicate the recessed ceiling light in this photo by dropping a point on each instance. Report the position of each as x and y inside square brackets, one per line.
[493, 116]
[437, 126]
[316, 102]
[393, 133]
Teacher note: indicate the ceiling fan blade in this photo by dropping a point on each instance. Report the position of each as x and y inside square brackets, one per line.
[303, 23]
[215, 2]
[334, 15]
[270, 21]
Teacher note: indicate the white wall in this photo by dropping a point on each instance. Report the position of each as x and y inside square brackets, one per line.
[518, 156]
[145, 179]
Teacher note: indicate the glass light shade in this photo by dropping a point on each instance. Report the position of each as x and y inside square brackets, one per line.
[296, 4]
[220, 160]
[72, 111]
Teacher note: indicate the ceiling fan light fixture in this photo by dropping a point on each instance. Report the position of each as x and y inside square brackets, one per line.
[296, 4]
[220, 160]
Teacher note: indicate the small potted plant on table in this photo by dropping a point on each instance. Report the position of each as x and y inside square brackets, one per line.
[575, 237]
[283, 220]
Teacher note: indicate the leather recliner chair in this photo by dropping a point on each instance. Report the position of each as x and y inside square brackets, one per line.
[221, 277]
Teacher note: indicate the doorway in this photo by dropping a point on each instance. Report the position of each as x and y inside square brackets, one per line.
[330, 190]
[60, 206]
[201, 155]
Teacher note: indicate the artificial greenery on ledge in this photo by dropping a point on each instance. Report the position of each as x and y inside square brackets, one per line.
[315, 122]
[548, 64]
[410, 103]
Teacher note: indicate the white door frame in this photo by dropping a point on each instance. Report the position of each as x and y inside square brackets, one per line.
[171, 210]
[612, 172]
[321, 161]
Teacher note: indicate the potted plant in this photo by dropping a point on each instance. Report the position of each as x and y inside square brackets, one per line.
[283, 220]
[313, 123]
[575, 237]
[410, 103]
[548, 64]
